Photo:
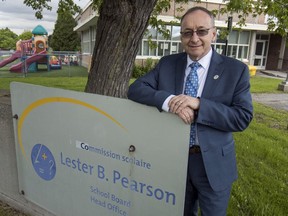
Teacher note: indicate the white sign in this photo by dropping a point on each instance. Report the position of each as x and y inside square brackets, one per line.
[86, 154]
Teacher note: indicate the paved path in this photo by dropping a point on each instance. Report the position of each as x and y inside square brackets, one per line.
[278, 101]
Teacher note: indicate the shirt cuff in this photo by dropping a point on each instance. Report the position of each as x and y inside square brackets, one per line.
[165, 106]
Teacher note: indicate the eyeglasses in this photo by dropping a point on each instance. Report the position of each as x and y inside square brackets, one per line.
[199, 32]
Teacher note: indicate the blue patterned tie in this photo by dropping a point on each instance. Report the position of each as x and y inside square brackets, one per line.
[191, 88]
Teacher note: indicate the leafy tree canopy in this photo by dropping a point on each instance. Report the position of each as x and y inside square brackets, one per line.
[8, 39]
[40, 5]
[26, 35]
[64, 38]
[277, 10]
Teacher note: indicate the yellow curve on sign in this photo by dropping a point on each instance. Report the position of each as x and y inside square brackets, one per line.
[43, 101]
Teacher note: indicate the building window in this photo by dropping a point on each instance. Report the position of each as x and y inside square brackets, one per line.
[176, 33]
[238, 44]
[244, 37]
[93, 38]
[85, 41]
[164, 46]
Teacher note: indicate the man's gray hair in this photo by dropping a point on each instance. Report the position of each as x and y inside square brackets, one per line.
[191, 10]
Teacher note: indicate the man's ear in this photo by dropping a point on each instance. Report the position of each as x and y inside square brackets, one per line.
[214, 35]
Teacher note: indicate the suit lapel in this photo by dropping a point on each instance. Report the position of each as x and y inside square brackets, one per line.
[214, 75]
[180, 74]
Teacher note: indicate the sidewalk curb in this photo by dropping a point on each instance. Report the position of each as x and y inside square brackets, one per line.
[273, 74]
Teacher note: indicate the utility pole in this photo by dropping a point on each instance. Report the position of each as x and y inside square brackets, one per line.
[229, 29]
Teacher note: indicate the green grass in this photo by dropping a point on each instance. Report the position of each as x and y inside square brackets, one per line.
[75, 78]
[262, 152]
[72, 83]
[69, 77]
[264, 85]
[262, 149]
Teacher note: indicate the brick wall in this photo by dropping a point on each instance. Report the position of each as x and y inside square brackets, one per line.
[274, 50]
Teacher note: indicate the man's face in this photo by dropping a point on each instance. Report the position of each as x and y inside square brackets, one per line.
[197, 46]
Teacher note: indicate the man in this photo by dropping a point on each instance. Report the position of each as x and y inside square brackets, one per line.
[219, 105]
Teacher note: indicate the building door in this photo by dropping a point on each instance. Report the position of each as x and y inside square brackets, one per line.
[261, 50]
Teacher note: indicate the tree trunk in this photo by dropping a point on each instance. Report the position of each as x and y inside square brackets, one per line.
[120, 28]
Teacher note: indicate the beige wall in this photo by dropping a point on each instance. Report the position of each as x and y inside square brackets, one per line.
[174, 12]
[86, 14]
[210, 6]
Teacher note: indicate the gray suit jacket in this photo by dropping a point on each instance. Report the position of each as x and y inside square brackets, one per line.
[225, 107]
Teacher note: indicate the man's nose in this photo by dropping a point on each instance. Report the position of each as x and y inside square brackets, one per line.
[194, 37]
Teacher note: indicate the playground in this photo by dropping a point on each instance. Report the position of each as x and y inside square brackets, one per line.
[33, 55]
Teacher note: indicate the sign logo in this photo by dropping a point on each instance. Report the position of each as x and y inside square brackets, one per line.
[43, 101]
[43, 162]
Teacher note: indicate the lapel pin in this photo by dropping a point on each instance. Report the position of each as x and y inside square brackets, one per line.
[216, 77]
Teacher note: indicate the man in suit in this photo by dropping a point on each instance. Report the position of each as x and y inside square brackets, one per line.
[221, 105]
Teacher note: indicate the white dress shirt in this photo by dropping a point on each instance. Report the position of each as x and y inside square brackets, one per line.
[202, 75]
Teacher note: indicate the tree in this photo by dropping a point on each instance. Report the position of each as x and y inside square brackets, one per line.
[63, 37]
[117, 38]
[276, 10]
[26, 35]
[63, 5]
[122, 23]
[120, 28]
[8, 39]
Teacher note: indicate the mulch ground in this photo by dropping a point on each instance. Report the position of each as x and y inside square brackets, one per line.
[6, 210]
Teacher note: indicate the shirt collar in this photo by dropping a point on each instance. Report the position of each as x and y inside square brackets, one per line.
[204, 61]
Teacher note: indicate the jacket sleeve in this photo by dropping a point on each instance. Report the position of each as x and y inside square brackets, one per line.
[232, 111]
[146, 89]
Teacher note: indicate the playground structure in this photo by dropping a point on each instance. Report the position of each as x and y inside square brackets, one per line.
[55, 63]
[31, 53]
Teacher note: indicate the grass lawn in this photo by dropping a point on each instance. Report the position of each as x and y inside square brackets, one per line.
[75, 78]
[264, 85]
[69, 77]
[262, 149]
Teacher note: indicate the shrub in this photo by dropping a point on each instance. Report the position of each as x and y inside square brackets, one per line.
[139, 70]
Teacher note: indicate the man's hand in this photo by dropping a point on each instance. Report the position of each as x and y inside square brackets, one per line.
[187, 115]
[184, 106]
[179, 102]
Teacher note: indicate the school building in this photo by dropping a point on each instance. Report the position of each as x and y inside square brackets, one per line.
[252, 44]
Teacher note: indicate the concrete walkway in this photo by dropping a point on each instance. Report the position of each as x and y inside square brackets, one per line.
[272, 74]
[277, 101]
